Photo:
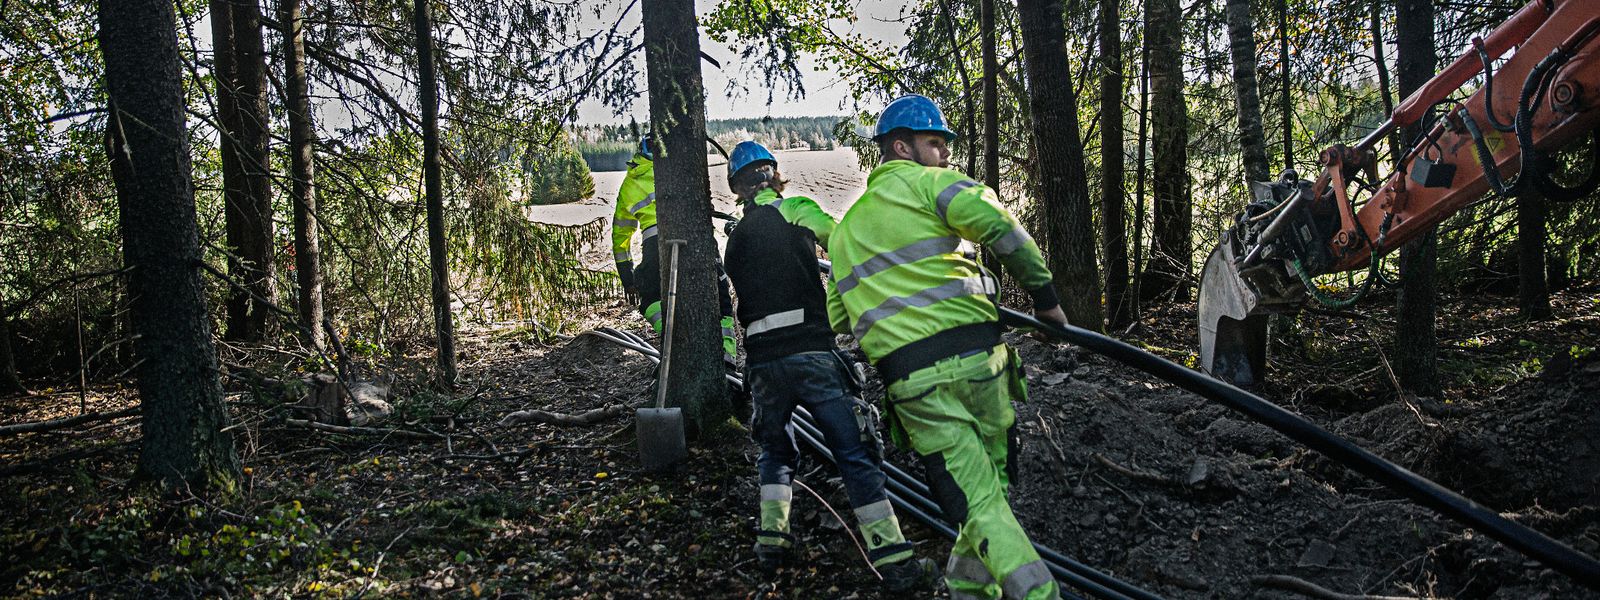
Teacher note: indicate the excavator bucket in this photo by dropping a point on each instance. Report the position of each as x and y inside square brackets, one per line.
[1233, 334]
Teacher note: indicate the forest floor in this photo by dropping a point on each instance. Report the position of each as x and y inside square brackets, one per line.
[1118, 470]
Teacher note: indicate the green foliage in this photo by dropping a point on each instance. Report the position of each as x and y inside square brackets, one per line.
[556, 176]
[775, 33]
[608, 155]
[254, 555]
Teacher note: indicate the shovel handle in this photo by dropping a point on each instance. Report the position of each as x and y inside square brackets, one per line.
[668, 311]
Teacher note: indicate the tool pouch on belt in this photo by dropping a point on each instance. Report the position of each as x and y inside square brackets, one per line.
[852, 373]
[866, 414]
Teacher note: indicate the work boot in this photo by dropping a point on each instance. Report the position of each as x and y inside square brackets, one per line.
[909, 575]
[769, 558]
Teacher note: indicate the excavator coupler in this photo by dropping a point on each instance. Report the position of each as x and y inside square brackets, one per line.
[1246, 278]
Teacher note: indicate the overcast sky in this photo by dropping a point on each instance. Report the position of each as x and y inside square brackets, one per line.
[826, 94]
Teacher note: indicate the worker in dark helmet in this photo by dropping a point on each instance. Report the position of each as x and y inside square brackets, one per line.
[791, 360]
[636, 210]
[924, 312]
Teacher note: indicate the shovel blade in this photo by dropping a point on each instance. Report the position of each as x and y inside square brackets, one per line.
[661, 439]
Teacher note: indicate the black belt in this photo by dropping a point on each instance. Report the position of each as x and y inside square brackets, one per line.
[964, 340]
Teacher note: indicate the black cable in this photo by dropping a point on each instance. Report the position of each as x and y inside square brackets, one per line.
[1552, 553]
[1488, 88]
[897, 493]
[1098, 583]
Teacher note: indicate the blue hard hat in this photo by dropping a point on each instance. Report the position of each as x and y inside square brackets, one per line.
[746, 154]
[644, 146]
[914, 112]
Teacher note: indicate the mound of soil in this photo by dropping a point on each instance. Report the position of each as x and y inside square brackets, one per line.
[1185, 497]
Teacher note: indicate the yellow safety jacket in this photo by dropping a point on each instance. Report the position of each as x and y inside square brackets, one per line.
[636, 210]
[901, 282]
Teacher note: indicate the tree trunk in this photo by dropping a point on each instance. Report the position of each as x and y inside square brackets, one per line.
[1063, 186]
[1141, 173]
[433, 185]
[967, 129]
[1415, 339]
[10, 384]
[683, 211]
[1383, 77]
[185, 446]
[991, 116]
[991, 97]
[1168, 271]
[302, 138]
[241, 73]
[1533, 295]
[1287, 108]
[1113, 197]
[1252, 134]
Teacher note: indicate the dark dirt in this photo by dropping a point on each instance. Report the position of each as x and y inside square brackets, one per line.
[1118, 470]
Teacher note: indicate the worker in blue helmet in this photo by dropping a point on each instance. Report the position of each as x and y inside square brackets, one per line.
[791, 361]
[913, 114]
[925, 315]
[644, 146]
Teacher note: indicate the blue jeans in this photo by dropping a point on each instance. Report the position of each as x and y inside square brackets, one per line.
[818, 382]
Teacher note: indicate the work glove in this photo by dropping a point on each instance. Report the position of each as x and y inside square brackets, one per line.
[629, 290]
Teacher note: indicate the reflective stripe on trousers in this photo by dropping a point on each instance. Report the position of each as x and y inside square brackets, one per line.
[879, 527]
[652, 313]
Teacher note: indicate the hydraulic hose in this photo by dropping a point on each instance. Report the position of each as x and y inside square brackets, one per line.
[1552, 553]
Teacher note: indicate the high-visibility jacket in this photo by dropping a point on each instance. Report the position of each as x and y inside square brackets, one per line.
[636, 210]
[900, 281]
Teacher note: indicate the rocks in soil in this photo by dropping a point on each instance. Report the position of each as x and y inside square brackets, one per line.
[369, 404]
[1317, 554]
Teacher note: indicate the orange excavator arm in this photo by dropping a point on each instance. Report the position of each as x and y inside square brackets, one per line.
[1546, 96]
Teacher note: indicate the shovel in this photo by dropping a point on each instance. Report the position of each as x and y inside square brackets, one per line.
[660, 429]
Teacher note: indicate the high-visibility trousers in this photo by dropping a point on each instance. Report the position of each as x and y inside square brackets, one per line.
[957, 416]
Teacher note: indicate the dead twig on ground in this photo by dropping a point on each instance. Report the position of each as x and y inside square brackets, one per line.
[587, 417]
[1137, 475]
[304, 424]
[1306, 588]
[51, 462]
[53, 424]
[845, 525]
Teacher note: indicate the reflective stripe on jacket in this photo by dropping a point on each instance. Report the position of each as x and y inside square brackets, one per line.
[898, 272]
[636, 209]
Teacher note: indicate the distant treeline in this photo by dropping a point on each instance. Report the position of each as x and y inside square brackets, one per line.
[609, 147]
